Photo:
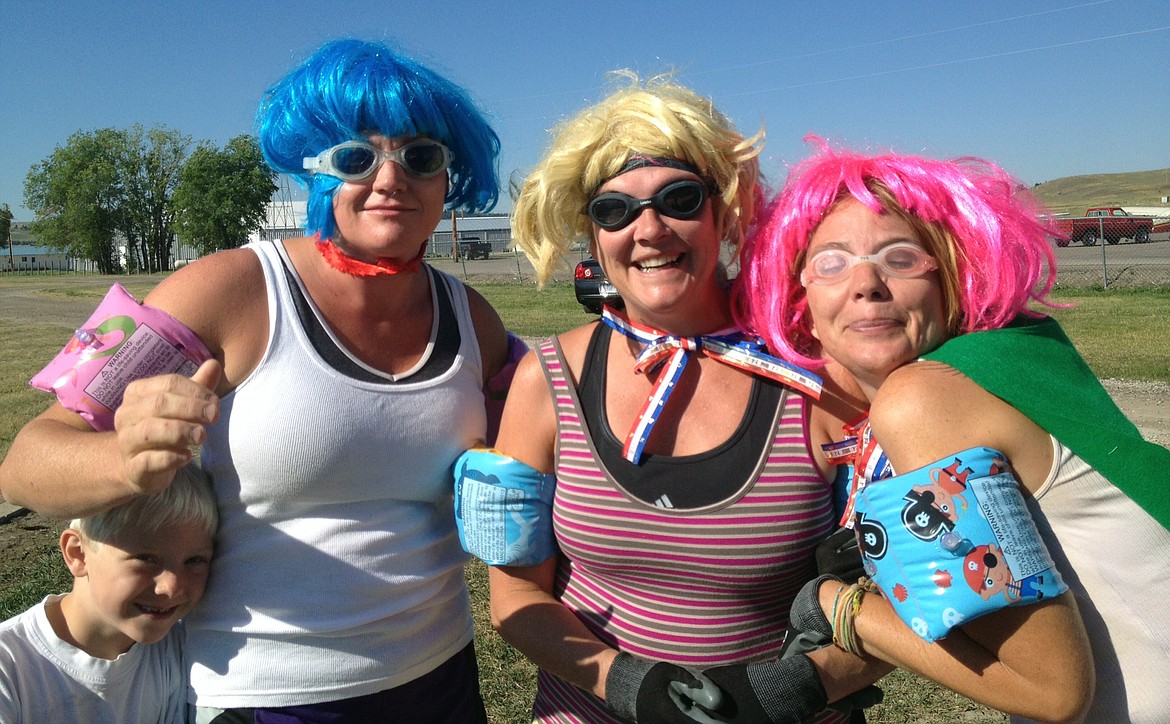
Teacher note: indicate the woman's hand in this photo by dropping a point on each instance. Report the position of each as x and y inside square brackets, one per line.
[644, 691]
[61, 467]
[161, 418]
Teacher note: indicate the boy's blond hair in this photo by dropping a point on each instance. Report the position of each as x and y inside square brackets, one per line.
[189, 498]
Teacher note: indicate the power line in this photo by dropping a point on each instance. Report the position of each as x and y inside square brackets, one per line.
[942, 63]
[902, 38]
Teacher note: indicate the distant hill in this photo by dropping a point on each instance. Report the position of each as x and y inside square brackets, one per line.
[1074, 194]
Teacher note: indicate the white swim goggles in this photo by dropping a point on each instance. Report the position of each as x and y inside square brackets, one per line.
[358, 160]
[902, 260]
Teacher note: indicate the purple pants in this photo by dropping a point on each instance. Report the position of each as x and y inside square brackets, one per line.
[447, 695]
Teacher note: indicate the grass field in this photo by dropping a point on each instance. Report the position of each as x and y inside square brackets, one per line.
[1075, 194]
[1120, 333]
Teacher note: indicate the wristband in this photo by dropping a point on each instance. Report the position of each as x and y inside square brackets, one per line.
[503, 509]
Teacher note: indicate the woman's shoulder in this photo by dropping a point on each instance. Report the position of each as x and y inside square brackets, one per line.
[926, 410]
[574, 346]
[220, 297]
[489, 331]
[924, 377]
[223, 272]
[927, 396]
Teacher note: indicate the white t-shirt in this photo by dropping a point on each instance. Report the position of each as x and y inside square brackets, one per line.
[44, 679]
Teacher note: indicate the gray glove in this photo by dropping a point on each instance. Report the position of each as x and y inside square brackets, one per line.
[809, 629]
[649, 692]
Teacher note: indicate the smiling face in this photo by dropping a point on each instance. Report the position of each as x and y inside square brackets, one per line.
[391, 214]
[666, 269]
[134, 589]
[870, 322]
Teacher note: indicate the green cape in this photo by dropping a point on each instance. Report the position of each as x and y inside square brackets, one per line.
[1034, 367]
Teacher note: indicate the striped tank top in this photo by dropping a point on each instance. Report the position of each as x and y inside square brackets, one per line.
[700, 587]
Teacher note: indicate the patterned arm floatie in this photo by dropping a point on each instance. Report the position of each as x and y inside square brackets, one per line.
[503, 509]
[953, 541]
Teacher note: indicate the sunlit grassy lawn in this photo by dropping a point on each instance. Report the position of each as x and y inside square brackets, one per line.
[1121, 334]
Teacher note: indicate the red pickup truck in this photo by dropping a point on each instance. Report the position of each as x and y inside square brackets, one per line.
[1109, 221]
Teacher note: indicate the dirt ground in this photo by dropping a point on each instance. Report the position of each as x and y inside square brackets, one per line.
[24, 538]
[22, 533]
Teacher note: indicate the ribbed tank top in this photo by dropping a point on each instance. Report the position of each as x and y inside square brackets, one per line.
[699, 587]
[338, 571]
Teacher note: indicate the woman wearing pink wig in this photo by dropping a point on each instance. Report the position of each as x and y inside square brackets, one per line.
[916, 275]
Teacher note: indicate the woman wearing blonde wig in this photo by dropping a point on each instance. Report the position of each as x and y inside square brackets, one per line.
[688, 502]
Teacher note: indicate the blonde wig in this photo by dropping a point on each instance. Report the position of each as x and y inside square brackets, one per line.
[657, 118]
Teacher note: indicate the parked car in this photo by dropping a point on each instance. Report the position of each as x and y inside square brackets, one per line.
[1112, 222]
[592, 288]
[474, 248]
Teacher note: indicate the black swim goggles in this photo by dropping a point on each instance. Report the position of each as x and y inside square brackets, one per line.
[358, 160]
[678, 200]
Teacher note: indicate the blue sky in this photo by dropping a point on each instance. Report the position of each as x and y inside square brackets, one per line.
[1048, 88]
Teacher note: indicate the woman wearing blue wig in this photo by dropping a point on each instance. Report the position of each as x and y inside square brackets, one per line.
[347, 377]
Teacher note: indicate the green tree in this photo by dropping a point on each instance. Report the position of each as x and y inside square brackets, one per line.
[5, 223]
[222, 195]
[109, 186]
[75, 194]
[151, 167]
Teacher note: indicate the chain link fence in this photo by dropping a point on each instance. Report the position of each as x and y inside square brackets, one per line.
[1113, 252]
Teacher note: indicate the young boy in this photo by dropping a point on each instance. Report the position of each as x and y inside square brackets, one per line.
[109, 650]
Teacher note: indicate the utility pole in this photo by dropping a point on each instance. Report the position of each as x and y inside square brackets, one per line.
[454, 238]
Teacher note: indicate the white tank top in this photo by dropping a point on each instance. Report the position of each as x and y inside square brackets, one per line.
[338, 571]
[1116, 560]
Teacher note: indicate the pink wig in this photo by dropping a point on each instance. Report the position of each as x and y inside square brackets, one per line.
[997, 256]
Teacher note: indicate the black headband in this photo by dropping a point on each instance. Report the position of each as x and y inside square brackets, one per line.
[640, 161]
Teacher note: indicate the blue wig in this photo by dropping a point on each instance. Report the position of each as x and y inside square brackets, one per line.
[351, 88]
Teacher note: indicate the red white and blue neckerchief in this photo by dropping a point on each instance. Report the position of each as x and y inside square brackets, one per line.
[729, 346]
[870, 463]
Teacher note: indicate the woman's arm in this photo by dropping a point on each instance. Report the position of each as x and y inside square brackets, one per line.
[490, 332]
[523, 608]
[527, 616]
[59, 466]
[1032, 660]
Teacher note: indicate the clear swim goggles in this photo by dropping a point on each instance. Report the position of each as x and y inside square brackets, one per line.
[901, 260]
[358, 160]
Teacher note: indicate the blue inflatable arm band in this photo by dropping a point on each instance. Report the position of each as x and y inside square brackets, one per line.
[503, 509]
[952, 541]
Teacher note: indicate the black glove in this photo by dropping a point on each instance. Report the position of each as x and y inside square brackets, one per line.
[839, 555]
[650, 692]
[788, 690]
